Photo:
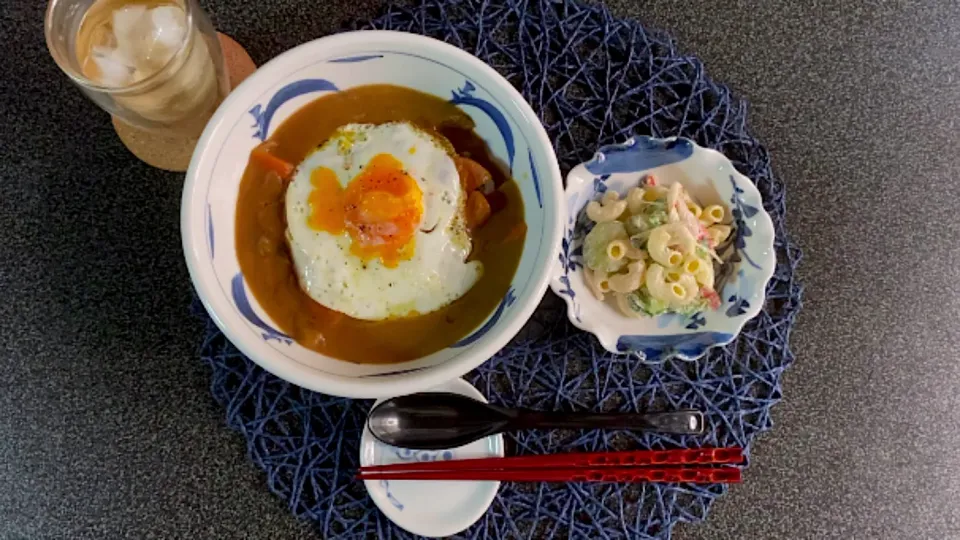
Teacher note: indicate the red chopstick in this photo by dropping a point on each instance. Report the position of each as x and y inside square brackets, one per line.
[680, 465]
[680, 456]
[694, 475]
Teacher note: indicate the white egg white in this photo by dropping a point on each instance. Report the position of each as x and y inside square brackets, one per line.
[438, 272]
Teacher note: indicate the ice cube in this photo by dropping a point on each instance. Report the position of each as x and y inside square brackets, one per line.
[115, 68]
[127, 21]
[169, 27]
[129, 25]
[149, 37]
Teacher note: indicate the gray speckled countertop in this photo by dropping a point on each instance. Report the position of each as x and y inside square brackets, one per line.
[108, 430]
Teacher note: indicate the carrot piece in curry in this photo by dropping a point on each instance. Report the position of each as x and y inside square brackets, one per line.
[517, 232]
[472, 174]
[478, 210]
[262, 157]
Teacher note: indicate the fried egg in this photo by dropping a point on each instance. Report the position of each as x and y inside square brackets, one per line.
[375, 223]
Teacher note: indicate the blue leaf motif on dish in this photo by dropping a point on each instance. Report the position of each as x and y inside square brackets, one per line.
[738, 306]
[659, 348]
[570, 259]
[738, 303]
[507, 301]
[690, 322]
[385, 484]
[405, 454]
[600, 184]
[422, 456]
[208, 214]
[639, 153]
[741, 210]
[536, 177]
[465, 97]
[582, 227]
[355, 59]
[263, 115]
[243, 305]
[696, 321]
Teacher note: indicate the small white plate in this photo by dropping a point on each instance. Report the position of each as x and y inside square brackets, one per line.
[431, 508]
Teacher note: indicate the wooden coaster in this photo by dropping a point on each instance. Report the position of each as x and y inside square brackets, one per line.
[170, 152]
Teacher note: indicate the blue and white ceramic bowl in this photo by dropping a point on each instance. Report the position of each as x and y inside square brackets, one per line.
[711, 179]
[255, 109]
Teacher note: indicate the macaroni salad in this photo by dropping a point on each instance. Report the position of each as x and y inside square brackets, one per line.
[654, 250]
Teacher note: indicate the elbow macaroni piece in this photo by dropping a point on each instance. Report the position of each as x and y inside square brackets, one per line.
[677, 294]
[689, 220]
[606, 210]
[624, 248]
[692, 264]
[634, 253]
[718, 233]
[660, 240]
[609, 196]
[597, 283]
[617, 249]
[635, 200]
[705, 276]
[674, 194]
[597, 242]
[700, 269]
[712, 214]
[623, 304]
[652, 193]
[673, 216]
[629, 282]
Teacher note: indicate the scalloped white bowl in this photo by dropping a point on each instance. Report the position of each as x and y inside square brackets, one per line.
[711, 179]
[279, 88]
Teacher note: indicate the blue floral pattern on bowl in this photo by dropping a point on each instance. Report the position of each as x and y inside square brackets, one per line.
[710, 178]
[507, 301]
[239, 293]
[512, 132]
[465, 96]
[263, 114]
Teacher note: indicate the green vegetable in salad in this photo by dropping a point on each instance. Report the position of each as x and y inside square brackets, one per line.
[691, 308]
[595, 246]
[641, 302]
[652, 216]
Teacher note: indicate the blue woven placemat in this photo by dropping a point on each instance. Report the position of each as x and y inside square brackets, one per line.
[594, 79]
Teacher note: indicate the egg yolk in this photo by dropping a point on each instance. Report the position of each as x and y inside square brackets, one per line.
[380, 209]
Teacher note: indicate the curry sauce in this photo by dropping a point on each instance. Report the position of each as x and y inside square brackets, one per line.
[267, 265]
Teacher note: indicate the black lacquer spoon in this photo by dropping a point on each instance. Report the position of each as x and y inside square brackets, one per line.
[439, 420]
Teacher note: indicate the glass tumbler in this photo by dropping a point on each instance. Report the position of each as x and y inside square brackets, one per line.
[174, 93]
